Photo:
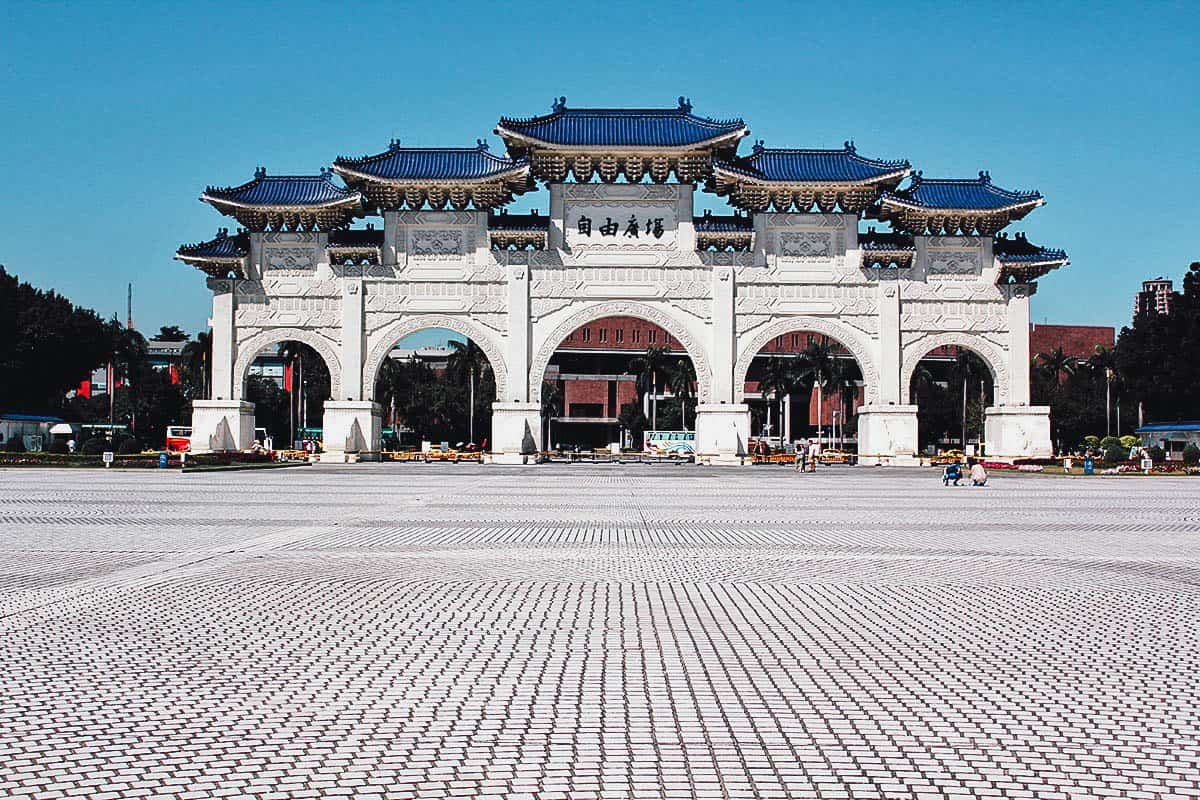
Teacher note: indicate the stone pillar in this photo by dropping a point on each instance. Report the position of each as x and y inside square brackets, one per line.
[516, 432]
[1017, 429]
[391, 238]
[887, 435]
[518, 335]
[889, 391]
[786, 422]
[721, 351]
[353, 340]
[887, 429]
[1018, 345]
[1012, 432]
[352, 431]
[225, 422]
[722, 433]
[555, 236]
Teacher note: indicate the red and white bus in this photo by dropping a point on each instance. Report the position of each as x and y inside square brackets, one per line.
[179, 438]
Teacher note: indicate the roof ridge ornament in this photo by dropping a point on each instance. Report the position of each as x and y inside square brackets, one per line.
[685, 104]
[559, 105]
[481, 144]
[260, 173]
[985, 177]
[394, 145]
[326, 174]
[759, 146]
[849, 145]
[917, 177]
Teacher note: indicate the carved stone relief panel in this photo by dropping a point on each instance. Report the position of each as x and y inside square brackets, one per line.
[805, 244]
[287, 260]
[438, 244]
[413, 297]
[294, 312]
[632, 282]
[953, 315]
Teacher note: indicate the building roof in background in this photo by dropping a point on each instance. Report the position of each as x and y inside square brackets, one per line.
[1078, 341]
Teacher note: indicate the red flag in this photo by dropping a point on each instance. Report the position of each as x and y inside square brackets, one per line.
[174, 371]
[287, 377]
[85, 388]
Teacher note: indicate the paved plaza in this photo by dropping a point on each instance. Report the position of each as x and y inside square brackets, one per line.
[564, 631]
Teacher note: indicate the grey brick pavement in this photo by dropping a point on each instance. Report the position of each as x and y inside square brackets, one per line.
[448, 631]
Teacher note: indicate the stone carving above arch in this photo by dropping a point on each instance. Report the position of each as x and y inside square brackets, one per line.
[623, 308]
[857, 342]
[326, 348]
[991, 353]
[386, 338]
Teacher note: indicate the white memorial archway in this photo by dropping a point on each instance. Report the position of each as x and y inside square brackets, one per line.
[794, 258]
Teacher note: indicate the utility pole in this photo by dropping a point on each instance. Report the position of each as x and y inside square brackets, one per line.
[129, 307]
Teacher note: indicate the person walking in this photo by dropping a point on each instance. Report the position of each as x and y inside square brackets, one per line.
[801, 452]
[814, 453]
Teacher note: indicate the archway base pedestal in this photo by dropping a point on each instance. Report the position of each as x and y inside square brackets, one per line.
[1012, 432]
[352, 431]
[887, 435]
[222, 426]
[722, 433]
[516, 432]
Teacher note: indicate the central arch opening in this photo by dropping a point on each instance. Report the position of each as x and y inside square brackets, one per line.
[952, 386]
[435, 386]
[620, 380]
[803, 385]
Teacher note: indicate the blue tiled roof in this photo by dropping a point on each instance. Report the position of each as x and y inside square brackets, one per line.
[621, 127]
[966, 195]
[283, 191]
[813, 166]
[723, 223]
[885, 240]
[518, 222]
[356, 238]
[430, 164]
[223, 246]
[1019, 250]
[1169, 426]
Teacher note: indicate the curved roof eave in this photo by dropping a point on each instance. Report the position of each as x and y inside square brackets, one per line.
[533, 141]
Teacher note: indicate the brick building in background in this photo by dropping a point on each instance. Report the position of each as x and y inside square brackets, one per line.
[591, 368]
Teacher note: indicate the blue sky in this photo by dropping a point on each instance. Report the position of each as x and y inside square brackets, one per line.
[116, 116]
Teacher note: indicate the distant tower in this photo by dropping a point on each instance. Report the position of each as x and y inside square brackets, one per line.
[1155, 297]
[129, 307]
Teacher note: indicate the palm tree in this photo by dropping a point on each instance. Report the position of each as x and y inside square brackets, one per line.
[820, 365]
[467, 361]
[966, 368]
[844, 385]
[197, 360]
[552, 403]
[1056, 362]
[682, 381]
[1105, 358]
[780, 378]
[647, 367]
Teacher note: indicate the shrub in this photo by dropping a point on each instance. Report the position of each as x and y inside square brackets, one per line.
[129, 447]
[94, 446]
[1109, 442]
[1191, 455]
[15, 445]
[1115, 455]
[1129, 441]
[1156, 453]
[1091, 443]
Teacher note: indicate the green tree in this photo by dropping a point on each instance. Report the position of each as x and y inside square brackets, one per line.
[197, 366]
[170, 333]
[682, 380]
[633, 420]
[467, 363]
[48, 346]
[552, 406]
[650, 368]
[818, 363]
[780, 379]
